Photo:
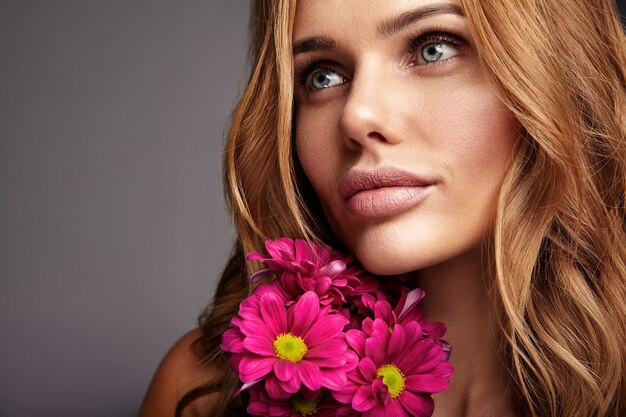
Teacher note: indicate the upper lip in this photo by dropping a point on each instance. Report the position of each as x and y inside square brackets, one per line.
[361, 180]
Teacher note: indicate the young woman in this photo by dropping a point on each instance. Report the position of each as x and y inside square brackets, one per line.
[475, 146]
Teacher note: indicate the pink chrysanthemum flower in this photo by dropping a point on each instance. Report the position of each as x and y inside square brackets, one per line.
[303, 266]
[397, 373]
[304, 403]
[249, 309]
[406, 311]
[303, 345]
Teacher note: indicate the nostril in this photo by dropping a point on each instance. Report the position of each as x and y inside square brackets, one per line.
[352, 144]
[356, 143]
[376, 136]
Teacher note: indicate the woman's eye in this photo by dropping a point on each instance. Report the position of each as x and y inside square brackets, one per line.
[437, 51]
[431, 49]
[323, 78]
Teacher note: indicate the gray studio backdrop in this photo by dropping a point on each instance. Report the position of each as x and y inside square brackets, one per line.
[113, 229]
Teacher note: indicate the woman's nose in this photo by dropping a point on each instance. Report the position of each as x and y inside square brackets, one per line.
[367, 116]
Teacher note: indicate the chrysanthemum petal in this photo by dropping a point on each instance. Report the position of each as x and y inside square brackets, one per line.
[380, 390]
[410, 300]
[281, 248]
[304, 313]
[256, 256]
[254, 367]
[447, 349]
[412, 360]
[382, 310]
[303, 251]
[367, 284]
[443, 369]
[396, 343]
[435, 329]
[368, 369]
[257, 408]
[379, 410]
[274, 388]
[426, 383]
[382, 328]
[364, 399]
[330, 349]
[324, 328]
[259, 345]
[285, 370]
[356, 340]
[248, 385]
[413, 332]
[346, 393]
[395, 409]
[430, 360]
[352, 361]
[291, 385]
[322, 285]
[260, 274]
[368, 326]
[250, 311]
[333, 268]
[333, 379]
[292, 283]
[232, 341]
[254, 327]
[273, 311]
[310, 375]
[417, 405]
[375, 350]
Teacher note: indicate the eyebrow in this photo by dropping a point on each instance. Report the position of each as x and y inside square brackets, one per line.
[385, 29]
[316, 43]
[397, 23]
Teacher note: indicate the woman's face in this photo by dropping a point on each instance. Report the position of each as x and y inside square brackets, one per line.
[398, 129]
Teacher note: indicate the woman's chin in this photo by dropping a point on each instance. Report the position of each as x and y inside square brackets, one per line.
[388, 260]
[393, 257]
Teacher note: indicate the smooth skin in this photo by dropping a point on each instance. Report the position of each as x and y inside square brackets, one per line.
[384, 105]
[178, 373]
[398, 84]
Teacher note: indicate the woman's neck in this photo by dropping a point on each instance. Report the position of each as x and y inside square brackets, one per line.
[457, 294]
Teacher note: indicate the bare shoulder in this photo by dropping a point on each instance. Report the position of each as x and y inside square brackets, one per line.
[180, 372]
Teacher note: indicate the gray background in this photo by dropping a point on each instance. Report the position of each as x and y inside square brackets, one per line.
[112, 223]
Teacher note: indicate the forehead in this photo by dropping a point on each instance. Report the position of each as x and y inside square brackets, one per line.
[360, 17]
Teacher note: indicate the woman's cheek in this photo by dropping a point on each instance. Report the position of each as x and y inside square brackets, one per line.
[316, 148]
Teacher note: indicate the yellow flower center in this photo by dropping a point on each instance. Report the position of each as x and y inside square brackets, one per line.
[289, 347]
[393, 378]
[303, 406]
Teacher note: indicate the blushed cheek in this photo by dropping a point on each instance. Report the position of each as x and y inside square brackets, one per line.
[315, 151]
[494, 148]
[319, 148]
[482, 136]
[309, 154]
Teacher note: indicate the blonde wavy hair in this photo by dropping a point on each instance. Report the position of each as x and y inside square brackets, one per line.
[559, 246]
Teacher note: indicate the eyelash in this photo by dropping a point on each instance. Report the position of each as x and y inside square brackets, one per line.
[431, 35]
[302, 72]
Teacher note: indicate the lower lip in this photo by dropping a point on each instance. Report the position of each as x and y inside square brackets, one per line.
[385, 201]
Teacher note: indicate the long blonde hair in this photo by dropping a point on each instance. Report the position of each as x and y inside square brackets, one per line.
[560, 237]
[560, 245]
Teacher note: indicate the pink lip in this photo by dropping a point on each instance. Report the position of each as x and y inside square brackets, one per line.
[382, 192]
